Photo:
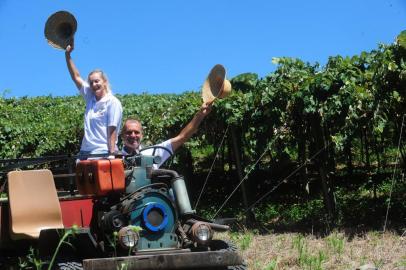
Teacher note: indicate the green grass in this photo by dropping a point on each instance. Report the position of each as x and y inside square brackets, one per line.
[273, 265]
[305, 258]
[32, 260]
[242, 240]
[335, 243]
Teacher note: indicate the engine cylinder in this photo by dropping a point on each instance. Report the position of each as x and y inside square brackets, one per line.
[181, 196]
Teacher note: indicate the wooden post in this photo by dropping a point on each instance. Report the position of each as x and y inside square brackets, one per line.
[237, 150]
[320, 161]
[301, 149]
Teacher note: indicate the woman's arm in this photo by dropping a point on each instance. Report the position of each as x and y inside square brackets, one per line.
[115, 113]
[111, 139]
[73, 71]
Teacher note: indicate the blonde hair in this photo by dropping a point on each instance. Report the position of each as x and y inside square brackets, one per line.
[104, 76]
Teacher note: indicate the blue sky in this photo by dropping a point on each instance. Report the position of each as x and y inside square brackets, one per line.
[170, 46]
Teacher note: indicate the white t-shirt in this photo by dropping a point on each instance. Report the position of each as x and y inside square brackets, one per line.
[99, 115]
[158, 152]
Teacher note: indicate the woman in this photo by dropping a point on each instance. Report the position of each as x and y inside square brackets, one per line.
[103, 110]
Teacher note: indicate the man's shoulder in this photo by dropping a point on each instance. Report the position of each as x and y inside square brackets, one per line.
[166, 144]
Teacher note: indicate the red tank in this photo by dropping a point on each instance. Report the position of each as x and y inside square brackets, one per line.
[100, 177]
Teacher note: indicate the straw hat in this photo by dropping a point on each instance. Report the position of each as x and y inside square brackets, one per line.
[59, 29]
[216, 84]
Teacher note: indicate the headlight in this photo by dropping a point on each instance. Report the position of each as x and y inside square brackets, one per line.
[201, 232]
[128, 237]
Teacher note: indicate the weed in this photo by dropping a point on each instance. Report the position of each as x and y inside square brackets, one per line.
[305, 259]
[317, 261]
[363, 260]
[402, 262]
[69, 232]
[378, 263]
[242, 240]
[113, 239]
[32, 259]
[257, 265]
[336, 243]
[273, 265]
[300, 245]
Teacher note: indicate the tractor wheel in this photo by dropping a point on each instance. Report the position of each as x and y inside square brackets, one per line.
[67, 265]
[227, 245]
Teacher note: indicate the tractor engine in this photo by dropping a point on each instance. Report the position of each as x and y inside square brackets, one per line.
[145, 219]
[138, 209]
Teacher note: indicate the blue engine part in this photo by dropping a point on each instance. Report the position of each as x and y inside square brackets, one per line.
[155, 217]
[154, 211]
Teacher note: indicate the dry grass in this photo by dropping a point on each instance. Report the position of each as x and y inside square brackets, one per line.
[387, 251]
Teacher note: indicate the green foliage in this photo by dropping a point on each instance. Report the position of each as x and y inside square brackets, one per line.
[245, 82]
[242, 240]
[348, 95]
[40, 126]
[402, 263]
[64, 240]
[303, 212]
[270, 212]
[401, 39]
[32, 259]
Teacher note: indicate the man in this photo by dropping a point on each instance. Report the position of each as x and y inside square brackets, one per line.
[132, 134]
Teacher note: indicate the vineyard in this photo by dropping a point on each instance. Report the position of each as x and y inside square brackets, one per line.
[305, 144]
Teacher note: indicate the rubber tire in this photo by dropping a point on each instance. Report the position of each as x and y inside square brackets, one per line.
[68, 265]
[216, 245]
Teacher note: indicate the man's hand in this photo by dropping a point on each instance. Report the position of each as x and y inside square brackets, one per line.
[192, 126]
[205, 109]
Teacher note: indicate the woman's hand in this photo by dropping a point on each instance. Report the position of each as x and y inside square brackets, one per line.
[70, 47]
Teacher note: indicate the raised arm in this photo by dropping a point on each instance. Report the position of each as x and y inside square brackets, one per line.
[191, 127]
[73, 71]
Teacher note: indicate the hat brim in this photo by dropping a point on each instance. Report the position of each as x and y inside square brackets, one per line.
[60, 28]
[216, 86]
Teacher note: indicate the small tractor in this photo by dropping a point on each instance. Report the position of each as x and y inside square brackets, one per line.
[123, 214]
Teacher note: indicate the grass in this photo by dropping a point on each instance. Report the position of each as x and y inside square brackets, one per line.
[33, 261]
[295, 233]
[338, 250]
[242, 240]
[272, 265]
[335, 243]
[305, 258]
